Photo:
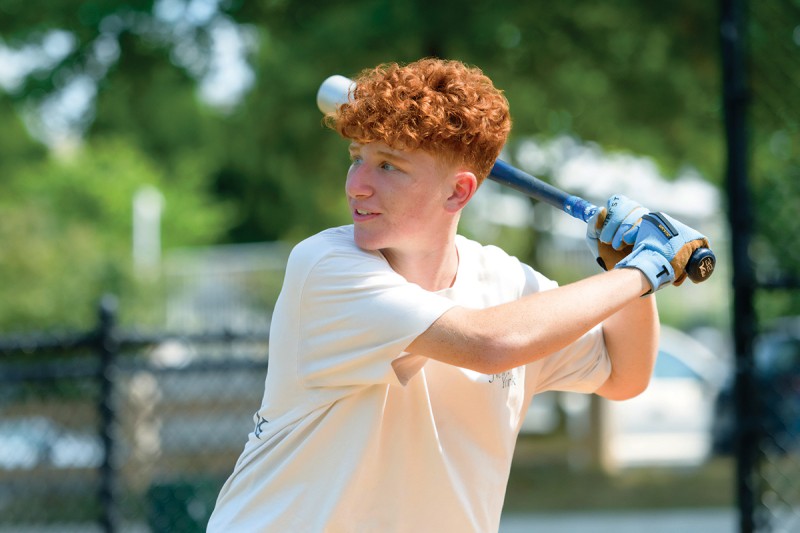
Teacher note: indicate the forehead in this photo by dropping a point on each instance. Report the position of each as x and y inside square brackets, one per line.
[379, 149]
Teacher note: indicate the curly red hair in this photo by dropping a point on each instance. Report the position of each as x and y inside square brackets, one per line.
[441, 106]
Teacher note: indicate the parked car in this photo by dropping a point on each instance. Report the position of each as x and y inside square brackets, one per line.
[670, 423]
[776, 358]
[27, 443]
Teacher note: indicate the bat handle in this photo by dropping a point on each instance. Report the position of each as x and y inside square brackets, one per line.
[701, 263]
[579, 208]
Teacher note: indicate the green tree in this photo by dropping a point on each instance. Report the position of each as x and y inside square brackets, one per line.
[67, 231]
[629, 75]
[641, 77]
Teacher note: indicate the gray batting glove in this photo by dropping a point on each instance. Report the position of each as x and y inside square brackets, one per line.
[662, 249]
[611, 232]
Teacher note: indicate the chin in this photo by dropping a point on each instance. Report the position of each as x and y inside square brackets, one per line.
[365, 241]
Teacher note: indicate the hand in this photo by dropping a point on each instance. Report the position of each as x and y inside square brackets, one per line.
[611, 232]
[662, 249]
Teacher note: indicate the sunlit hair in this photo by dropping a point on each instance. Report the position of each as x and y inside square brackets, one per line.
[440, 106]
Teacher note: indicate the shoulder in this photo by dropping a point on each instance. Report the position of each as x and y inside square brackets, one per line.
[331, 243]
[485, 253]
[333, 255]
[492, 262]
[325, 241]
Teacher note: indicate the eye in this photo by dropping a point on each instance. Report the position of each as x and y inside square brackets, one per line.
[355, 160]
[388, 166]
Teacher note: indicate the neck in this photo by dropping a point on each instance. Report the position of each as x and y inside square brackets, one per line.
[432, 269]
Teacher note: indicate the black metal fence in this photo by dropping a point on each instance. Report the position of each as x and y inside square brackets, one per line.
[110, 430]
[761, 74]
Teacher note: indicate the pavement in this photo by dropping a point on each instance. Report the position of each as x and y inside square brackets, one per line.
[661, 521]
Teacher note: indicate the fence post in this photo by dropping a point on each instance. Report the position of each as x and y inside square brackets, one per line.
[107, 348]
[736, 96]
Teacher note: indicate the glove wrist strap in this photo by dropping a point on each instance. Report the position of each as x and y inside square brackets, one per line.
[653, 265]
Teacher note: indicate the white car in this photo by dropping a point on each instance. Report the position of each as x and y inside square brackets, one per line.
[670, 423]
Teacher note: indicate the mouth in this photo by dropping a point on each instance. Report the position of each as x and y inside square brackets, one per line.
[363, 215]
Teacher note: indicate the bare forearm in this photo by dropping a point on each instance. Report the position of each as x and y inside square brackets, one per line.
[510, 335]
[631, 338]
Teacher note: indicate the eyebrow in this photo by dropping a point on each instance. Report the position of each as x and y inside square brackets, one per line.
[356, 147]
[392, 155]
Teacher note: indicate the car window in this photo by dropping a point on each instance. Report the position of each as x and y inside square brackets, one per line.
[670, 367]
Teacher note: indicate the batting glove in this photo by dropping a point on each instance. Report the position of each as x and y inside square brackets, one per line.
[611, 232]
[662, 248]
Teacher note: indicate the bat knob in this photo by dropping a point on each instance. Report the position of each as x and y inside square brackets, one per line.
[701, 265]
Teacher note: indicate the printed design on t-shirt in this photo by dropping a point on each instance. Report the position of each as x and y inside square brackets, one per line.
[506, 379]
[259, 430]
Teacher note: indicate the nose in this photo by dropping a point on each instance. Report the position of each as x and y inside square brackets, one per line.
[358, 184]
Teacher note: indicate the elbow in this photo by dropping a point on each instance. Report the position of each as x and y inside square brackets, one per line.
[618, 392]
[628, 394]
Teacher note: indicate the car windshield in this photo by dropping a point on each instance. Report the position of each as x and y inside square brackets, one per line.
[670, 367]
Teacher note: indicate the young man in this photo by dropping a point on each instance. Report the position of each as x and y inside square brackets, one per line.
[403, 356]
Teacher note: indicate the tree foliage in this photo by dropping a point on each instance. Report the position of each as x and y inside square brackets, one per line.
[634, 76]
[67, 226]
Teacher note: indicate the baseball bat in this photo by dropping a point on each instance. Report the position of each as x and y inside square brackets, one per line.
[335, 91]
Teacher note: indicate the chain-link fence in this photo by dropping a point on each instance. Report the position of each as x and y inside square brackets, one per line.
[761, 61]
[774, 44]
[118, 431]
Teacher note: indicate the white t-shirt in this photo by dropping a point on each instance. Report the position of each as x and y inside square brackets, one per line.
[353, 434]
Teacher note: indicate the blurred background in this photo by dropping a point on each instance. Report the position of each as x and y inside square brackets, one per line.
[158, 159]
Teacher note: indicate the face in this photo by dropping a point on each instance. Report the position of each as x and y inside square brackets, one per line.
[398, 199]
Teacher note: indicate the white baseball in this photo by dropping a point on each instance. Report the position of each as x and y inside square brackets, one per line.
[333, 92]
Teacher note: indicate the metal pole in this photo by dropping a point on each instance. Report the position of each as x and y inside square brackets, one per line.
[107, 350]
[736, 100]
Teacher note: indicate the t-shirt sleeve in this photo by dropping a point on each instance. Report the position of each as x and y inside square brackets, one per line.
[356, 317]
[582, 366]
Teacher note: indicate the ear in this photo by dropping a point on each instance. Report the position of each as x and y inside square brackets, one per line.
[464, 186]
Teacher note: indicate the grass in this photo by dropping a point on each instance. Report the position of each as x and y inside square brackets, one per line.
[542, 480]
